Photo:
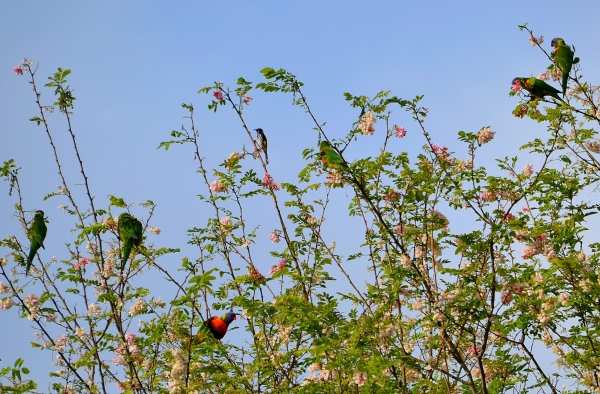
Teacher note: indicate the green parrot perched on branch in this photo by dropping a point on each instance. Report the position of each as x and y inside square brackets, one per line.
[330, 157]
[563, 55]
[130, 232]
[37, 234]
[536, 87]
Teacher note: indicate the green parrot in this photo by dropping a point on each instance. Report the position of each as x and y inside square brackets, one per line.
[563, 55]
[130, 232]
[537, 88]
[329, 156]
[37, 234]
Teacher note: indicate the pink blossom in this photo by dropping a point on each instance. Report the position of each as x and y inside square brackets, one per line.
[506, 296]
[256, 276]
[426, 110]
[366, 123]
[18, 70]
[544, 76]
[524, 209]
[485, 135]
[438, 149]
[218, 186]
[130, 339]
[400, 131]
[276, 268]
[274, 237]
[247, 99]
[522, 111]
[218, 95]
[516, 87]
[528, 170]
[268, 182]
[457, 242]
[541, 237]
[488, 196]
[120, 386]
[334, 177]
[530, 251]
[393, 195]
[359, 378]
[81, 263]
[508, 216]
[473, 351]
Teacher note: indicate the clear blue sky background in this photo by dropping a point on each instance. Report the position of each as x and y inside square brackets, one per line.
[135, 62]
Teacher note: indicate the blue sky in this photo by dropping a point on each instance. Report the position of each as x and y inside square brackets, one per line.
[135, 62]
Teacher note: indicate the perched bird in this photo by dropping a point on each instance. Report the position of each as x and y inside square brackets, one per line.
[537, 88]
[261, 141]
[329, 156]
[130, 232]
[37, 234]
[215, 326]
[564, 58]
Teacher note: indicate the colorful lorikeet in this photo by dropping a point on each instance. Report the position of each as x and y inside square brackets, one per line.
[130, 232]
[37, 234]
[329, 156]
[261, 141]
[564, 59]
[215, 326]
[537, 88]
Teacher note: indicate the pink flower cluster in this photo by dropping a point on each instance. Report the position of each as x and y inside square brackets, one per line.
[256, 276]
[218, 186]
[81, 263]
[269, 183]
[276, 268]
[334, 177]
[516, 87]
[23, 67]
[442, 152]
[393, 195]
[274, 237]
[544, 76]
[485, 135]
[247, 99]
[133, 349]
[367, 122]
[218, 95]
[400, 131]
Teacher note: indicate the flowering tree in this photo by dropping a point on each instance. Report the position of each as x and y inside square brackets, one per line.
[471, 311]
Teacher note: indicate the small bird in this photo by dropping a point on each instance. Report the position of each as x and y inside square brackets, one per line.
[537, 88]
[330, 157]
[37, 234]
[215, 326]
[564, 59]
[130, 232]
[261, 141]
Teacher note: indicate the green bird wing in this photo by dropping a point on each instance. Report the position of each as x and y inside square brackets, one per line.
[564, 59]
[130, 228]
[38, 231]
[329, 156]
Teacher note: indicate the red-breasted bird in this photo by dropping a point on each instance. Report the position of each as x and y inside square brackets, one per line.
[563, 54]
[215, 326]
[537, 88]
[130, 232]
[37, 234]
[261, 141]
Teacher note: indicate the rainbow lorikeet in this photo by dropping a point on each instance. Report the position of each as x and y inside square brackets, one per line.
[130, 232]
[215, 326]
[261, 141]
[537, 88]
[563, 55]
[329, 156]
[37, 234]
